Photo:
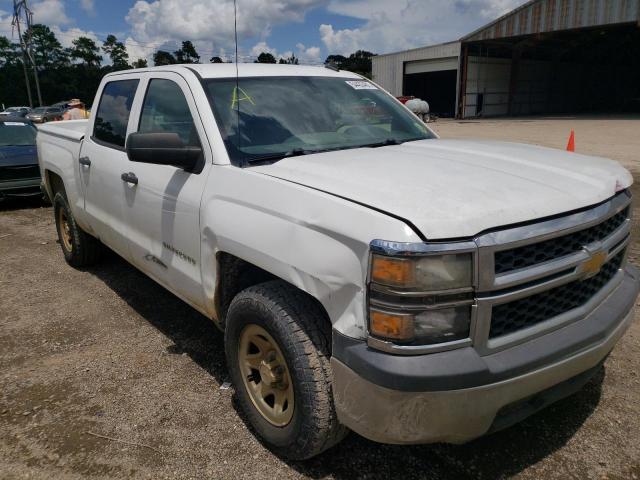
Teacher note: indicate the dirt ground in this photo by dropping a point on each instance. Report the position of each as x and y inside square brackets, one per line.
[106, 375]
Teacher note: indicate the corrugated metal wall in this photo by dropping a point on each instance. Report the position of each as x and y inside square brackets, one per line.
[388, 70]
[553, 15]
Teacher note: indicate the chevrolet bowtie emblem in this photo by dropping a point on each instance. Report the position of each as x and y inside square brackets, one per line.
[594, 264]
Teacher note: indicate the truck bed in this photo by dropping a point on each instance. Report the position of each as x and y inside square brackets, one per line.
[58, 152]
[70, 129]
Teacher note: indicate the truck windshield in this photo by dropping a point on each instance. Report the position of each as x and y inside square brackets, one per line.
[268, 118]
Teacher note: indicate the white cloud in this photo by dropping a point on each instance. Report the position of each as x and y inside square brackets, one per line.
[137, 50]
[50, 12]
[308, 54]
[5, 26]
[305, 55]
[210, 24]
[343, 41]
[408, 23]
[261, 47]
[88, 6]
[66, 37]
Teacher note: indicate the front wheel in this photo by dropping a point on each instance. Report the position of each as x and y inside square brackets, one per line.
[277, 342]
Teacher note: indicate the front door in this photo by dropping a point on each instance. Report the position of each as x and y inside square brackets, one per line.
[163, 212]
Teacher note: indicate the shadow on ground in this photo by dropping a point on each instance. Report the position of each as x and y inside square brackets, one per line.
[191, 332]
[496, 456]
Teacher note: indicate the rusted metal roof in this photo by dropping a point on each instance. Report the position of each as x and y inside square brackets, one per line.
[539, 16]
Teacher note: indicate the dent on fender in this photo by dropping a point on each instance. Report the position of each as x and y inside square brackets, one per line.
[315, 241]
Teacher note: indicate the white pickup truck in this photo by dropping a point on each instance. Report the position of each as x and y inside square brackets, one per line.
[366, 274]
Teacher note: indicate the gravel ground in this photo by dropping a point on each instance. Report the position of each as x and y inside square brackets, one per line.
[106, 352]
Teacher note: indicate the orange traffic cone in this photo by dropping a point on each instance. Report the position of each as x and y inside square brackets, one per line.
[571, 146]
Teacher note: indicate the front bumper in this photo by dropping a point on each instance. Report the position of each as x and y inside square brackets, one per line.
[458, 395]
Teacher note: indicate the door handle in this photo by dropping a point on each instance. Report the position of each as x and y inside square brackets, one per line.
[129, 177]
[86, 161]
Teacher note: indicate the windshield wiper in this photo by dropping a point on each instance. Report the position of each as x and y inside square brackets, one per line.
[384, 143]
[296, 152]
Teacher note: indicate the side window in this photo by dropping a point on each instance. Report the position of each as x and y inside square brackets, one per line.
[113, 112]
[165, 110]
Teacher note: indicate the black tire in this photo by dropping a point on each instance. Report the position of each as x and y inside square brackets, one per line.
[84, 249]
[302, 331]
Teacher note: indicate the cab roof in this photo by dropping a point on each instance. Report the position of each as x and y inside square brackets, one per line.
[227, 70]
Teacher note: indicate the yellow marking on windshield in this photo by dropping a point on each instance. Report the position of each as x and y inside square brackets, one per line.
[236, 99]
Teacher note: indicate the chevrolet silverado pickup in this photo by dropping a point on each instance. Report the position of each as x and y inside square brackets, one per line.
[366, 274]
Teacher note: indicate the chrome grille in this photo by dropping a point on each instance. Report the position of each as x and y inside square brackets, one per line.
[526, 312]
[529, 255]
[557, 286]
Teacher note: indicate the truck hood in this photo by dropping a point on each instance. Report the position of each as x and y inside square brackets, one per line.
[18, 155]
[459, 188]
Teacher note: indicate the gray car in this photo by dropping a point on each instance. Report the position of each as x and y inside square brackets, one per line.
[15, 112]
[45, 114]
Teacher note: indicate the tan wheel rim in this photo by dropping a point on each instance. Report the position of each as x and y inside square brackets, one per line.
[266, 375]
[65, 230]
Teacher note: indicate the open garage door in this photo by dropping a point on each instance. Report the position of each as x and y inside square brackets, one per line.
[594, 70]
[433, 81]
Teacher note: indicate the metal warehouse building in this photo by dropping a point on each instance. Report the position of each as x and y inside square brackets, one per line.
[547, 56]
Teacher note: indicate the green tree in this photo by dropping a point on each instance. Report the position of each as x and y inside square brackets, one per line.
[47, 50]
[292, 60]
[9, 52]
[216, 60]
[358, 62]
[336, 60]
[140, 63]
[117, 52]
[187, 53]
[265, 57]
[86, 50]
[162, 57]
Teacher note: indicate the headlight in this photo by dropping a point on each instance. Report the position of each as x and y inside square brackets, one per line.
[433, 273]
[421, 298]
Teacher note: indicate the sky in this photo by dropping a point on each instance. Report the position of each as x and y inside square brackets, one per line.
[310, 29]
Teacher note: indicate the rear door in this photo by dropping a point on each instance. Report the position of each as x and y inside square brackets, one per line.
[163, 211]
[103, 160]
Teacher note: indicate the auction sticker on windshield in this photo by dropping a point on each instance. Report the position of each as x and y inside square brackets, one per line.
[361, 85]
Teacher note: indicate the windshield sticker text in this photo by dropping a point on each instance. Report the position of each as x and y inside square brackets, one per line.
[361, 85]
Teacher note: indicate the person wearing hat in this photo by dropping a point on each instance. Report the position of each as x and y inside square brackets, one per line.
[76, 110]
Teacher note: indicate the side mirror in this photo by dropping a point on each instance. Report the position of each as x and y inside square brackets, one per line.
[162, 149]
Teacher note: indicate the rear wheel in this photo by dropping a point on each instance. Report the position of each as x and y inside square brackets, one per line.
[79, 248]
[278, 349]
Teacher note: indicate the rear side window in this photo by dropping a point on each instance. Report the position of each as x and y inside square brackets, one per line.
[113, 112]
[165, 110]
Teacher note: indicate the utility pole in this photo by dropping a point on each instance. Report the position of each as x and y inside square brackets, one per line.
[20, 7]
